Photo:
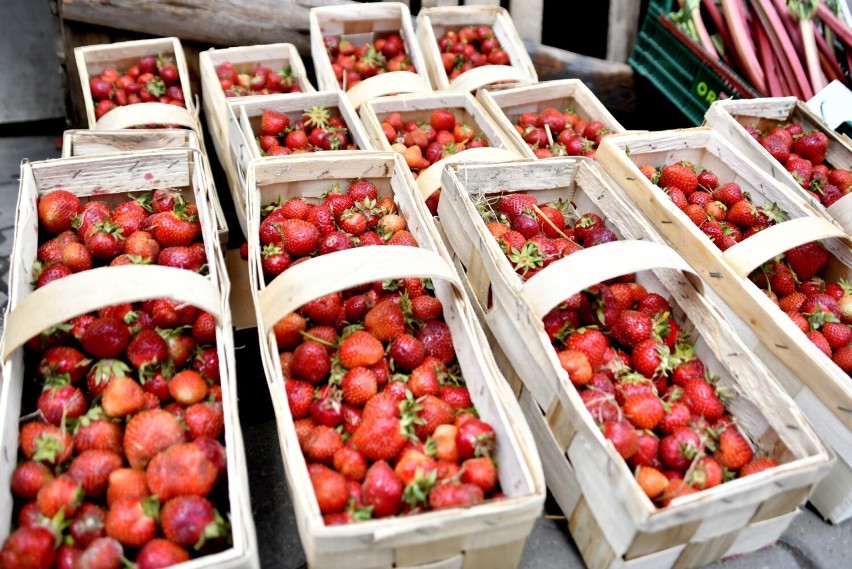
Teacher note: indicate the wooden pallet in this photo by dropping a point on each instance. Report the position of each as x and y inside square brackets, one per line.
[611, 520]
[823, 390]
[432, 23]
[730, 117]
[110, 178]
[507, 105]
[492, 534]
[362, 23]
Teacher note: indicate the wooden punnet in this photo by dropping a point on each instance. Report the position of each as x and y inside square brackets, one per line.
[491, 534]
[611, 520]
[419, 108]
[730, 117]
[432, 23]
[507, 105]
[87, 142]
[244, 124]
[244, 59]
[93, 59]
[31, 311]
[362, 23]
[821, 389]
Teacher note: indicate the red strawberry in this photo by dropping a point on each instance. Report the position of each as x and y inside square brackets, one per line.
[701, 398]
[102, 553]
[678, 176]
[273, 122]
[88, 525]
[126, 483]
[707, 473]
[311, 362]
[29, 547]
[812, 146]
[28, 478]
[807, 260]
[679, 448]
[385, 321]
[122, 397]
[632, 327]
[177, 228]
[148, 433]
[644, 410]
[383, 490]
[778, 145]
[62, 493]
[45, 443]
[106, 338]
[452, 495]
[480, 471]
[329, 488]
[431, 412]
[179, 470]
[159, 553]
[475, 438]
[323, 443]
[350, 463]
[733, 450]
[56, 210]
[379, 438]
[133, 521]
[757, 464]
[437, 340]
[91, 469]
[743, 214]
[189, 521]
[204, 419]
[60, 401]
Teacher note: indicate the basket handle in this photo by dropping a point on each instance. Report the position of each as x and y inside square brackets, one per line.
[86, 291]
[486, 75]
[750, 253]
[130, 116]
[841, 212]
[387, 84]
[591, 266]
[429, 179]
[346, 269]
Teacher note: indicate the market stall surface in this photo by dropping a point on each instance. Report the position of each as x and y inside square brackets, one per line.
[808, 543]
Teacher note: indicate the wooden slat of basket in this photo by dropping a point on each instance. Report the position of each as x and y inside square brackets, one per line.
[507, 105]
[372, 19]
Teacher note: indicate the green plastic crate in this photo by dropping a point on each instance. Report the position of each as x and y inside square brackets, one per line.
[680, 68]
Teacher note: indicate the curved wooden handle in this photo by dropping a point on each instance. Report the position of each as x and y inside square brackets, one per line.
[387, 84]
[750, 253]
[341, 270]
[429, 179]
[131, 116]
[590, 266]
[90, 290]
[486, 75]
[841, 212]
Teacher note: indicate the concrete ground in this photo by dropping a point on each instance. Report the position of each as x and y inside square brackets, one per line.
[808, 543]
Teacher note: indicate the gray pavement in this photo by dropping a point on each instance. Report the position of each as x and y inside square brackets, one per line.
[808, 543]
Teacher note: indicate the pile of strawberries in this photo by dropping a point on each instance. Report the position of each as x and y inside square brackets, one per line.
[469, 47]
[156, 227]
[803, 155]
[121, 449]
[552, 132]
[154, 79]
[317, 129]
[298, 230]
[725, 213]
[822, 309]
[260, 80]
[352, 64]
[637, 374]
[422, 144]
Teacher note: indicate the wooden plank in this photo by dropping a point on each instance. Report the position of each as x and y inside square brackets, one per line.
[218, 22]
[622, 28]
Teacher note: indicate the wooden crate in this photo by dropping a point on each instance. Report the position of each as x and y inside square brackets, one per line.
[93, 59]
[29, 312]
[822, 390]
[419, 108]
[612, 521]
[507, 105]
[244, 58]
[244, 123]
[432, 23]
[486, 535]
[730, 117]
[87, 142]
[362, 23]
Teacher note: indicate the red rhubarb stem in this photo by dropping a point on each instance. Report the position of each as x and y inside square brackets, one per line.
[838, 26]
[767, 58]
[783, 46]
[734, 11]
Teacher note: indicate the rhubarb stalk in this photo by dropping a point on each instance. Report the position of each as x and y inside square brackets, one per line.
[730, 54]
[830, 19]
[803, 11]
[783, 46]
[736, 19]
[764, 49]
[827, 54]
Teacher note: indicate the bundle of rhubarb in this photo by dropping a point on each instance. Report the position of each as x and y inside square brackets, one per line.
[781, 47]
[637, 373]
[318, 128]
[297, 230]
[256, 79]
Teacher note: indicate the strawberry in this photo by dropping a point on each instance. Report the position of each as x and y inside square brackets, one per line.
[322, 444]
[678, 449]
[122, 397]
[62, 493]
[743, 214]
[475, 438]
[28, 478]
[843, 358]
[188, 387]
[632, 327]
[644, 410]
[76, 257]
[60, 401]
[91, 469]
[204, 419]
[678, 176]
[56, 210]
[800, 168]
[359, 385]
[757, 464]
[706, 474]
[106, 338]
[148, 433]
[126, 483]
[273, 122]
[651, 480]
[29, 547]
[385, 321]
[325, 309]
[812, 146]
[702, 399]
[480, 471]
[88, 525]
[777, 145]
[437, 340]
[179, 470]
[407, 352]
[807, 259]
[382, 489]
[378, 437]
[457, 396]
[651, 358]
[733, 450]
[591, 342]
[442, 119]
[189, 521]
[133, 521]
[513, 205]
[350, 463]
[453, 495]
[45, 443]
[297, 140]
[576, 365]
[159, 553]
[431, 413]
[311, 362]
[176, 228]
